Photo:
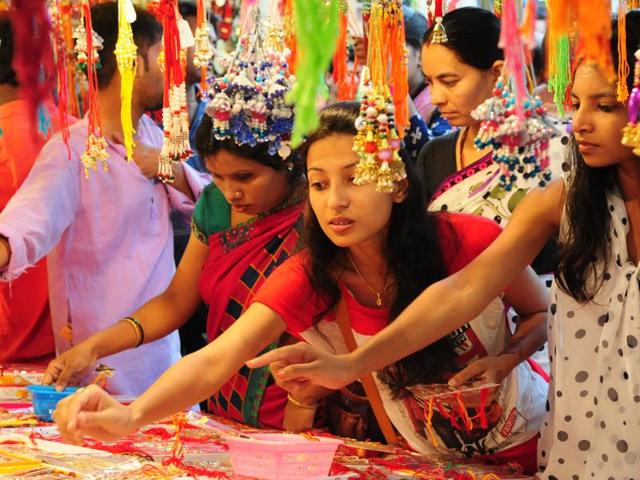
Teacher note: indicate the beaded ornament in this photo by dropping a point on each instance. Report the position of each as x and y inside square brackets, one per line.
[81, 48]
[96, 144]
[175, 114]
[631, 132]
[126, 54]
[203, 52]
[248, 102]
[377, 141]
[519, 147]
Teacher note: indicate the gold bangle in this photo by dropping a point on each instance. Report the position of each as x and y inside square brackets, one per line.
[300, 404]
[136, 329]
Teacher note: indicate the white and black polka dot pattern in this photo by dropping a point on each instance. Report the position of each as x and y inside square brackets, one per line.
[593, 428]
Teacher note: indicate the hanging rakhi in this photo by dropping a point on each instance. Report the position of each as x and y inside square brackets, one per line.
[452, 404]
[623, 65]
[345, 80]
[63, 72]
[248, 103]
[377, 141]
[631, 133]
[203, 52]
[96, 144]
[126, 54]
[594, 21]
[387, 48]
[175, 115]
[316, 33]
[82, 47]
[519, 148]
[498, 7]
[513, 48]
[33, 59]
[383, 117]
[288, 25]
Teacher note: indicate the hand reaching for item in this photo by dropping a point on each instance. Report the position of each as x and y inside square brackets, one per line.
[93, 412]
[302, 363]
[70, 367]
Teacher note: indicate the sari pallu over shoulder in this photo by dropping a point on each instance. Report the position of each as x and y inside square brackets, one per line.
[240, 259]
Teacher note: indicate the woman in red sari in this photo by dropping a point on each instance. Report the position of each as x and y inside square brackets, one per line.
[246, 223]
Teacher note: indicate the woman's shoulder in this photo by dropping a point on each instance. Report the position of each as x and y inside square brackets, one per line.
[212, 212]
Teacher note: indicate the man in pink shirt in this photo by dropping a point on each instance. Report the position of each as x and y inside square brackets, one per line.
[108, 238]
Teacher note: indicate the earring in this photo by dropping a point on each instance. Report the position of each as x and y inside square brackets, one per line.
[290, 166]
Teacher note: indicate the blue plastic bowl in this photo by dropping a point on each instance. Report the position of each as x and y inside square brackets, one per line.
[45, 398]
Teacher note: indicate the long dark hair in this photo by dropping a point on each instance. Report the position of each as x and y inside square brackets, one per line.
[207, 144]
[586, 249]
[473, 35]
[414, 258]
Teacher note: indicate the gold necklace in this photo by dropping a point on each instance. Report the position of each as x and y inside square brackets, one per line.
[378, 294]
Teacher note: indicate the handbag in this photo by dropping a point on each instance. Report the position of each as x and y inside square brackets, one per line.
[357, 411]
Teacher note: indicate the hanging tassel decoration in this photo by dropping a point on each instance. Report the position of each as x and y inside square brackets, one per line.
[594, 20]
[33, 59]
[377, 142]
[63, 73]
[126, 54]
[288, 25]
[623, 65]
[316, 24]
[340, 55]
[175, 115]
[631, 132]
[498, 6]
[519, 148]
[559, 71]
[96, 144]
[513, 48]
[203, 52]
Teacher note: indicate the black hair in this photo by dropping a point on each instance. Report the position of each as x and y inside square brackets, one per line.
[473, 35]
[414, 258]
[146, 33]
[415, 26]
[7, 74]
[187, 9]
[586, 249]
[207, 144]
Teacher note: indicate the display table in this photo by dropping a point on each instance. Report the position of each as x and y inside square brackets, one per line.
[192, 445]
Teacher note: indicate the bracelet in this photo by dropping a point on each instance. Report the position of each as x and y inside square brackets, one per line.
[138, 328]
[298, 404]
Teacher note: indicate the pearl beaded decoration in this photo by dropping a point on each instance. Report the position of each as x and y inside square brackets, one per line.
[80, 47]
[520, 148]
[248, 101]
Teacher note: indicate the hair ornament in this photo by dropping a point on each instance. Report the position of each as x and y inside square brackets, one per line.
[439, 35]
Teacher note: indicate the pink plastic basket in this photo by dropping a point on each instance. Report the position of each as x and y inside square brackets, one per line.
[281, 456]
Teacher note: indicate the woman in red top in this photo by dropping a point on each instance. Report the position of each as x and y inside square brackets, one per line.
[378, 251]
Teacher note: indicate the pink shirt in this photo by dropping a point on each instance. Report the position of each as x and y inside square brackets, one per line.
[109, 243]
